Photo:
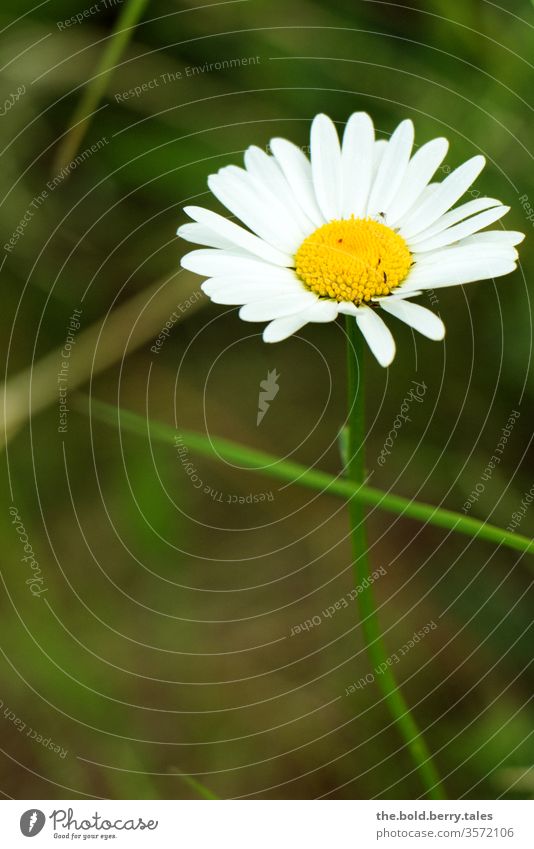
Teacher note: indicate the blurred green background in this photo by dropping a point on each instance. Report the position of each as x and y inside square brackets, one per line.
[162, 643]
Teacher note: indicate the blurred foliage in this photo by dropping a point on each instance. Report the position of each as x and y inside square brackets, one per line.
[162, 644]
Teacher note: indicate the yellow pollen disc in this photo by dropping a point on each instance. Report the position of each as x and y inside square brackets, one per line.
[353, 260]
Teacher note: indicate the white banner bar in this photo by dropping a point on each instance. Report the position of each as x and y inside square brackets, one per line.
[268, 824]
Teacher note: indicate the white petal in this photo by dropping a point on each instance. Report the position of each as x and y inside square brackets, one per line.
[234, 188]
[495, 237]
[445, 196]
[418, 317]
[461, 230]
[348, 308]
[242, 238]
[392, 168]
[420, 171]
[281, 328]
[286, 282]
[379, 150]
[320, 312]
[397, 294]
[377, 335]
[460, 213]
[266, 170]
[460, 254]
[235, 290]
[201, 235]
[326, 166]
[276, 307]
[214, 263]
[357, 164]
[455, 274]
[296, 168]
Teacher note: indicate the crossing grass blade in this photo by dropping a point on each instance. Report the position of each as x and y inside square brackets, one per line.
[93, 93]
[298, 474]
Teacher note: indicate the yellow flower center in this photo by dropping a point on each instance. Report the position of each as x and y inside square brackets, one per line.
[353, 260]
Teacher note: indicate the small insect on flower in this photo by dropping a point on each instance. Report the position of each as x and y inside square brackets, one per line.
[357, 229]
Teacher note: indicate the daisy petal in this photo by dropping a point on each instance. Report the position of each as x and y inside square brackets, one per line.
[456, 274]
[213, 263]
[418, 317]
[282, 328]
[377, 335]
[326, 166]
[392, 169]
[296, 168]
[267, 171]
[319, 313]
[462, 230]
[460, 213]
[235, 290]
[265, 310]
[460, 254]
[357, 164]
[445, 196]
[495, 237]
[419, 172]
[235, 188]
[201, 235]
[322, 311]
[240, 237]
[379, 149]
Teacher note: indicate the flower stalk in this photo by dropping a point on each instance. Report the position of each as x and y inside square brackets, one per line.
[374, 644]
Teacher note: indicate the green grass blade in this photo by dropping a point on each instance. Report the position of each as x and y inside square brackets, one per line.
[200, 789]
[310, 478]
[94, 92]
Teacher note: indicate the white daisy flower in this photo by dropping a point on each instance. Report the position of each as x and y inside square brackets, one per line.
[356, 229]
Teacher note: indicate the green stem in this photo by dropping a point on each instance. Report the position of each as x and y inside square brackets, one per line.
[123, 31]
[372, 634]
[295, 473]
